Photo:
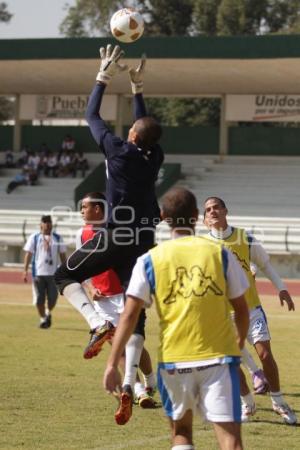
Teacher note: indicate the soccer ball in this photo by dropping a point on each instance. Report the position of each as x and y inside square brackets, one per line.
[127, 25]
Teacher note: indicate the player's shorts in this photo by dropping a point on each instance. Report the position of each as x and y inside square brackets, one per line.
[110, 307]
[258, 326]
[212, 391]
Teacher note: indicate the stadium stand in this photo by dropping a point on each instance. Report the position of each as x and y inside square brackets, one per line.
[261, 193]
[48, 192]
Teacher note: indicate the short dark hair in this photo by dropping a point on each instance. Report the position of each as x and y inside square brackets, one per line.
[179, 206]
[218, 199]
[149, 132]
[97, 198]
[46, 219]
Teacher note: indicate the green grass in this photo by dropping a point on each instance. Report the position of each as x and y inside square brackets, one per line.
[52, 399]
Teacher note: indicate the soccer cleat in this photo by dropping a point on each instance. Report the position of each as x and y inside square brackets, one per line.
[124, 412]
[247, 412]
[146, 400]
[49, 320]
[98, 337]
[44, 323]
[286, 413]
[260, 384]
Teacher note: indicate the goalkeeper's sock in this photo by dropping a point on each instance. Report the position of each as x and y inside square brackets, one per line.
[76, 295]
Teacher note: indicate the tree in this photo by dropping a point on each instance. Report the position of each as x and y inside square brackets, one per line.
[231, 17]
[91, 17]
[5, 16]
[205, 17]
[245, 17]
[167, 17]
[6, 106]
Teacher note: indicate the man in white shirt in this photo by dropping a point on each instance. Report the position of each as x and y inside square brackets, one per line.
[43, 250]
[247, 249]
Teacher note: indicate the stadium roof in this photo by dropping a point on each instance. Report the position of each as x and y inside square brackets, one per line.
[187, 66]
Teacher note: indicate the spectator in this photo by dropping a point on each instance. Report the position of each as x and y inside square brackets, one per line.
[50, 165]
[68, 143]
[65, 163]
[19, 180]
[81, 164]
[9, 159]
[34, 161]
[23, 156]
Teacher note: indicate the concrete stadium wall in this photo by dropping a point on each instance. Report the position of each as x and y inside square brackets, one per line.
[254, 140]
[287, 265]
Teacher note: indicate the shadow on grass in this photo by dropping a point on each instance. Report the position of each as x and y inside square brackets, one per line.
[295, 395]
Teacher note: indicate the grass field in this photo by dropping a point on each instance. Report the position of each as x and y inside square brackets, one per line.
[52, 399]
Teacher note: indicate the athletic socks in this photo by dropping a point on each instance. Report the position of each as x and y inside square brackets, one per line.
[183, 447]
[133, 351]
[149, 380]
[139, 389]
[248, 399]
[277, 398]
[76, 295]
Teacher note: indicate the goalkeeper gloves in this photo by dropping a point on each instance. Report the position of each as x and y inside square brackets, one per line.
[136, 76]
[109, 63]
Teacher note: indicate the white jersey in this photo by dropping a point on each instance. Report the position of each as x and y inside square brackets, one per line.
[45, 252]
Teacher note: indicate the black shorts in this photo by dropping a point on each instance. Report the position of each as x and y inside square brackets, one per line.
[106, 250]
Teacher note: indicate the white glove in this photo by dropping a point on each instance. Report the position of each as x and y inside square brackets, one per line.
[136, 76]
[109, 63]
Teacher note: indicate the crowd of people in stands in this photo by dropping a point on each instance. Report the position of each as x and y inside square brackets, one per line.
[45, 162]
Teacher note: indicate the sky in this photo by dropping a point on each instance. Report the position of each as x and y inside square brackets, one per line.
[34, 18]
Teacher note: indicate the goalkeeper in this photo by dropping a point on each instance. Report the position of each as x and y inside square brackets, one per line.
[132, 212]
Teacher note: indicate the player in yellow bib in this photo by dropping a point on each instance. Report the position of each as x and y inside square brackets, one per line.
[247, 249]
[193, 283]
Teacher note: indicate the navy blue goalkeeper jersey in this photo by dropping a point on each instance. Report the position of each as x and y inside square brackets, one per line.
[131, 174]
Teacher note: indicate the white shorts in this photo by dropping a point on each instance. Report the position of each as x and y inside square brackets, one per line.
[258, 326]
[212, 391]
[110, 308]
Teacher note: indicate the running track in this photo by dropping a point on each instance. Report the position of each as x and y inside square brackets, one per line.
[264, 286]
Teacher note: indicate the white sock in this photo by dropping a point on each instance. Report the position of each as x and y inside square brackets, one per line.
[248, 361]
[276, 397]
[183, 447]
[133, 353]
[139, 389]
[150, 380]
[76, 295]
[248, 399]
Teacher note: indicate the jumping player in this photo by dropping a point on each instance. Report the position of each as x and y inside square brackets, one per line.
[133, 212]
